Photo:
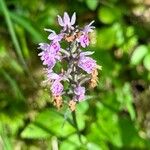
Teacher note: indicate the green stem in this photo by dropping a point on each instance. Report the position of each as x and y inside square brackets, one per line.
[76, 126]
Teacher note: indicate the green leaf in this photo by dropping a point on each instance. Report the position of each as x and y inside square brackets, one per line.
[130, 38]
[48, 123]
[146, 62]
[72, 143]
[93, 146]
[105, 128]
[130, 135]
[124, 96]
[108, 15]
[138, 54]
[92, 4]
[81, 109]
[5, 140]
[16, 120]
[129, 44]
[33, 131]
[119, 35]
[128, 100]
[106, 37]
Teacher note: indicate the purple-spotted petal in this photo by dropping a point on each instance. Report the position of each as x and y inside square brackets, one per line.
[57, 88]
[54, 48]
[50, 62]
[79, 93]
[87, 64]
[84, 40]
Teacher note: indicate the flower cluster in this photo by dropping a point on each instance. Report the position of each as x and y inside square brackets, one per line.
[78, 68]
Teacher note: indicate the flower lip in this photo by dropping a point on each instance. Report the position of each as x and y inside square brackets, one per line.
[87, 64]
[79, 93]
[84, 40]
[54, 48]
[49, 55]
[57, 88]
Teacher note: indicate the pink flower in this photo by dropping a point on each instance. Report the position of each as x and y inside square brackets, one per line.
[52, 76]
[43, 46]
[88, 28]
[84, 40]
[57, 88]
[79, 93]
[49, 54]
[87, 64]
[66, 22]
[54, 48]
[55, 37]
[47, 59]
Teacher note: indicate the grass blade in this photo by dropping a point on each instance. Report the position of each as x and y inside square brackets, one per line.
[12, 32]
[26, 24]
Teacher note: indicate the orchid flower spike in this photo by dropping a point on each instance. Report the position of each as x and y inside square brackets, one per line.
[78, 68]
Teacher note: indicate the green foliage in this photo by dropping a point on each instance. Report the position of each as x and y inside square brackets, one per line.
[26, 24]
[114, 116]
[124, 97]
[49, 121]
[92, 4]
[146, 62]
[106, 37]
[109, 15]
[138, 54]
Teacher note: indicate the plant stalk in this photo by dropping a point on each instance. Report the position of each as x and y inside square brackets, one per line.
[76, 125]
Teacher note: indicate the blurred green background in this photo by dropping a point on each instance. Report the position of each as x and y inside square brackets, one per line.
[116, 115]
